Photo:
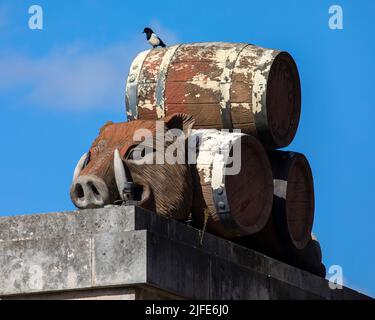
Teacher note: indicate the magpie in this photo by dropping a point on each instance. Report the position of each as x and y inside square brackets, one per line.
[153, 39]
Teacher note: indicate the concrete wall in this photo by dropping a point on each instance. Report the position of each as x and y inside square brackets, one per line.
[129, 253]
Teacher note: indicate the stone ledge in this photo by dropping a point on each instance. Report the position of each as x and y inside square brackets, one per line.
[128, 247]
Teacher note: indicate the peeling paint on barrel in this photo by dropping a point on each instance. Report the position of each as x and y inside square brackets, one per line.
[260, 78]
[214, 149]
[232, 78]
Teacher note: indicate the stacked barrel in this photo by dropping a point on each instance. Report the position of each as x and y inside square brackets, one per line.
[268, 203]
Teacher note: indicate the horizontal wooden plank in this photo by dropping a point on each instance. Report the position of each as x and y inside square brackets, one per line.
[195, 71]
[147, 114]
[205, 115]
[241, 92]
[193, 92]
[203, 52]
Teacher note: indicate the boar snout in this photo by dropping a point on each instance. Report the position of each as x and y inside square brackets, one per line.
[89, 192]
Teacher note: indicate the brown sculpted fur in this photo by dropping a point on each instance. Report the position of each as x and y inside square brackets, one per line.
[164, 188]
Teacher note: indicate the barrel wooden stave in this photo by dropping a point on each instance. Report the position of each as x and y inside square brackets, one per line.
[266, 241]
[287, 234]
[247, 195]
[309, 258]
[293, 205]
[147, 85]
[251, 88]
[206, 115]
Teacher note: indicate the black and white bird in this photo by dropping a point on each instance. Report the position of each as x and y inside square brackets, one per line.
[153, 39]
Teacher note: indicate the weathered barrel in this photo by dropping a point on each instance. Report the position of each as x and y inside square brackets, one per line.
[232, 183]
[309, 258]
[293, 203]
[223, 85]
[287, 234]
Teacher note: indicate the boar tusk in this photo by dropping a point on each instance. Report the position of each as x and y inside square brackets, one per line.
[80, 165]
[120, 174]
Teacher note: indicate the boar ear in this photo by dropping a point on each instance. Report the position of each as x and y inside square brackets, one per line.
[105, 125]
[182, 121]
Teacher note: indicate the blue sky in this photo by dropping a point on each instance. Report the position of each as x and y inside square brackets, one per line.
[60, 84]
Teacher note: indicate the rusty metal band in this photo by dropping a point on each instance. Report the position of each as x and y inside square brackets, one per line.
[223, 210]
[161, 80]
[131, 97]
[220, 196]
[226, 84]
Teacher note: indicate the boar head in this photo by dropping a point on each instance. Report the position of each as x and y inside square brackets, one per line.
[164, 188]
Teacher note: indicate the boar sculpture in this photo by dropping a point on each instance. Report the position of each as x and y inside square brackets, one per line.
[103, 174]
[122, 166]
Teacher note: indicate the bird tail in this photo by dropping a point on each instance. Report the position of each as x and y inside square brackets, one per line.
[162, 44]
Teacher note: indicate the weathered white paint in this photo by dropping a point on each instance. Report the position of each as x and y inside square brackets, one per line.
[160, 111]
[201, 82]
[248, 53]
[217, 174]
[244, 105]
[213, 154]
[161, 81]
[229, 57]
[260, 77]
[153, 58]
[145, 104]
[132, 85]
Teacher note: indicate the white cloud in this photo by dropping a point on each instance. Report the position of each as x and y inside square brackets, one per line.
[69, 77]
[73, 77]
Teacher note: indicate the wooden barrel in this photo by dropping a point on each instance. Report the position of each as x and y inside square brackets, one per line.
[309, 258]
[223, 85]
[293, 203]
[287, 233]
[266, 241]
[232, 183]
